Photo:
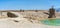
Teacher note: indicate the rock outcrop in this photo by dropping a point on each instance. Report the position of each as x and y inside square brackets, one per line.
[9, 14]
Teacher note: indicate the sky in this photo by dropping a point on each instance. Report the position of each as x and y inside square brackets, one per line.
[28, 4]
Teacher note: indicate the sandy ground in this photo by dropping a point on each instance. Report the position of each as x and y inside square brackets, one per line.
[8, 23]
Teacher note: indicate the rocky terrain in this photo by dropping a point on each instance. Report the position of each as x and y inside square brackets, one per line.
[26, 19]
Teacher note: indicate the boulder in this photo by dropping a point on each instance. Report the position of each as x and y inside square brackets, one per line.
[9, 14]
